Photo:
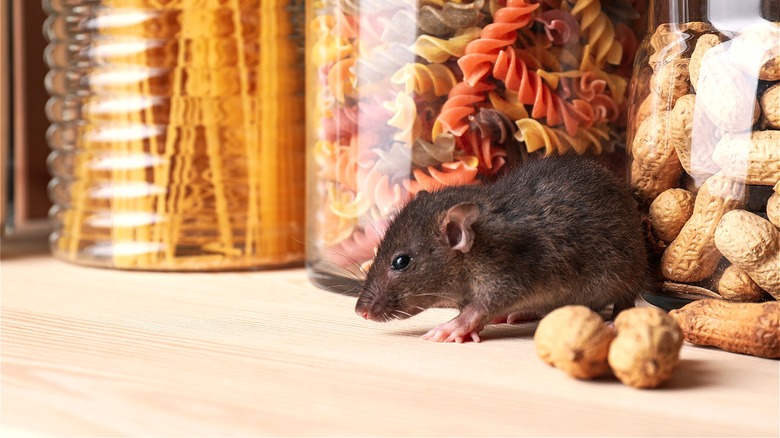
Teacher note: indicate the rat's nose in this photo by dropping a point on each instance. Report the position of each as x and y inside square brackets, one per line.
[363, 311]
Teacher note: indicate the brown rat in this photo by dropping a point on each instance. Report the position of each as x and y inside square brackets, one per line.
[554, 231]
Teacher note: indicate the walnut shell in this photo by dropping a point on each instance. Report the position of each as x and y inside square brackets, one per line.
[576, 340]
[647, 347]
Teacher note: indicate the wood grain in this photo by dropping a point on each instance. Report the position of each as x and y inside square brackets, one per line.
[92, 352]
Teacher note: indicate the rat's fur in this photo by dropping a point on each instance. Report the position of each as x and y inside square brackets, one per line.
[554, 231]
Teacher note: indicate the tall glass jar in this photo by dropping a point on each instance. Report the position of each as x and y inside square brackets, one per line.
[705, 146]
[411, 95]
[176, 133]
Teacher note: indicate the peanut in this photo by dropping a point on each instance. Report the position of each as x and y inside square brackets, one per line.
[736, 285]
[655, 166]
[747, 328]
[687, 291]
[752, 158]
[650, 105]
[705, 43]
[671, 80]
[770, 71]
[646, 349]
[773, 206]
[770, 106]
[694, 138]
[753, 244]
[576, 340]
[697, 26]
[757, 47]
[667, 42]
[727, 93]
[692, 256]
[669, 212]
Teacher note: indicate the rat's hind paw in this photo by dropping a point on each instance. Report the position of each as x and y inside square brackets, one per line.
[453, 331]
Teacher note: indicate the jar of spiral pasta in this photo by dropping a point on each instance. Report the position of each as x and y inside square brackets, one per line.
[705, 146]
[412, 95]
[176, 133]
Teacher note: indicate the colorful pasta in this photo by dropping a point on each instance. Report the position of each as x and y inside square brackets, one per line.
[502, 32]
[460, 172]
[449, 17]
[404, 118]
[462, 102]
[424, 79]
[438, 50]
[423, 94]
[598, 29]
[559, 26]
[531, 90]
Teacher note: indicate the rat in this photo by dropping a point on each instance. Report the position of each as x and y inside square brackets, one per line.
[551, 232]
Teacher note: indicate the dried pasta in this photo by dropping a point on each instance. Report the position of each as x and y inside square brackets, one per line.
[405, 118]
[531, 90]
[598, 29]
[423, 79]
[461, 102]
[502, 32]
[437, 93]
[448, 17]
[559, 26]
[438, 50]
[460, 172]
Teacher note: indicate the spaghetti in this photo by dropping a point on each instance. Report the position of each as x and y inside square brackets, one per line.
[190, 146]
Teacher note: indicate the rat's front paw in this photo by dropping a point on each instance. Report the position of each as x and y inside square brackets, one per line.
[453, 331]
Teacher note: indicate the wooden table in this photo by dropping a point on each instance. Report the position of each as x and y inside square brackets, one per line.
[102, 352]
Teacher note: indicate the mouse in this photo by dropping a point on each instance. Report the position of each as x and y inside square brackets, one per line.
[551, 232]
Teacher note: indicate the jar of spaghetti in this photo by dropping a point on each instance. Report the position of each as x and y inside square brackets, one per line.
[176, 133]
[704, 132]
[405, 96]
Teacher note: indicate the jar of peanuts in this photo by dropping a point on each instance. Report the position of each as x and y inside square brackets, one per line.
[704, 136]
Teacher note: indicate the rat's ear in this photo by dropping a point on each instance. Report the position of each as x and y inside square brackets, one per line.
[456, 226]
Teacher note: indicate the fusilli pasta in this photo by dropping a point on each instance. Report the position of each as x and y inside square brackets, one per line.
[438, 50]
[502, 32]
[475, 87]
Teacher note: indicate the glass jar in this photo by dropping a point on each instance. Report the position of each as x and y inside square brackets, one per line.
[704, 132]
[411, 95]
[176, 133]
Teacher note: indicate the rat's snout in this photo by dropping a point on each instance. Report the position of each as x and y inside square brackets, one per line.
[363, 309]
[370, 308]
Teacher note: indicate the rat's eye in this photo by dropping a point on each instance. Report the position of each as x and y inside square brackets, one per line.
[400, 262]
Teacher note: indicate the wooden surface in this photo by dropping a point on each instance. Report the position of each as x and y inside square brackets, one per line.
[100, 352]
